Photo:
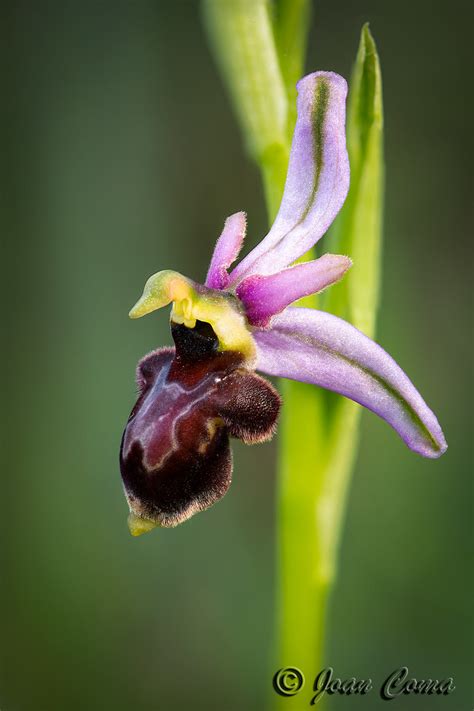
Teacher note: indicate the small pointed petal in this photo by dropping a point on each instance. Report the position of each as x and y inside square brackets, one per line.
[226, 250]
[265, 296]
[316, 347]
[317, 181]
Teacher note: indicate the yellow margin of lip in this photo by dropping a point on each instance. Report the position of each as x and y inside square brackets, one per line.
[138, 525]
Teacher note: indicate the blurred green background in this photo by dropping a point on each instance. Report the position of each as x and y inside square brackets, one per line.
[121, 157]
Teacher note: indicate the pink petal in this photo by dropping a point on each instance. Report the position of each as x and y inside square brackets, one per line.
[265, 296]
[226, 250]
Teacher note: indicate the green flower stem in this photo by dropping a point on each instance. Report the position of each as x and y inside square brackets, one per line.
[261, 58]
[301, 601]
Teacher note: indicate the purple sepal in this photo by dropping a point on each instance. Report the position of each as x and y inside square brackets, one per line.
[317, 180]
[226, 251]
[265, 296]
[316, 347]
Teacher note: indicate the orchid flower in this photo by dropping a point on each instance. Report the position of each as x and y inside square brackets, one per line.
[175, 455]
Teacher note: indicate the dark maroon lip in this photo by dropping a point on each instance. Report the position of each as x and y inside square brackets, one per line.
[175, 456]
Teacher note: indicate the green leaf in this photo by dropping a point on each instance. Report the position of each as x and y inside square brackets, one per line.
[357, 231]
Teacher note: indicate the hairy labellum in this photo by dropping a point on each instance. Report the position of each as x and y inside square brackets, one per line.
[175, 456]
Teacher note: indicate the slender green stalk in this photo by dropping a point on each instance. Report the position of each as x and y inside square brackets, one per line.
[261, 58]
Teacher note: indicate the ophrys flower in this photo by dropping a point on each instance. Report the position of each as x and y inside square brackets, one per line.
[175, 456]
